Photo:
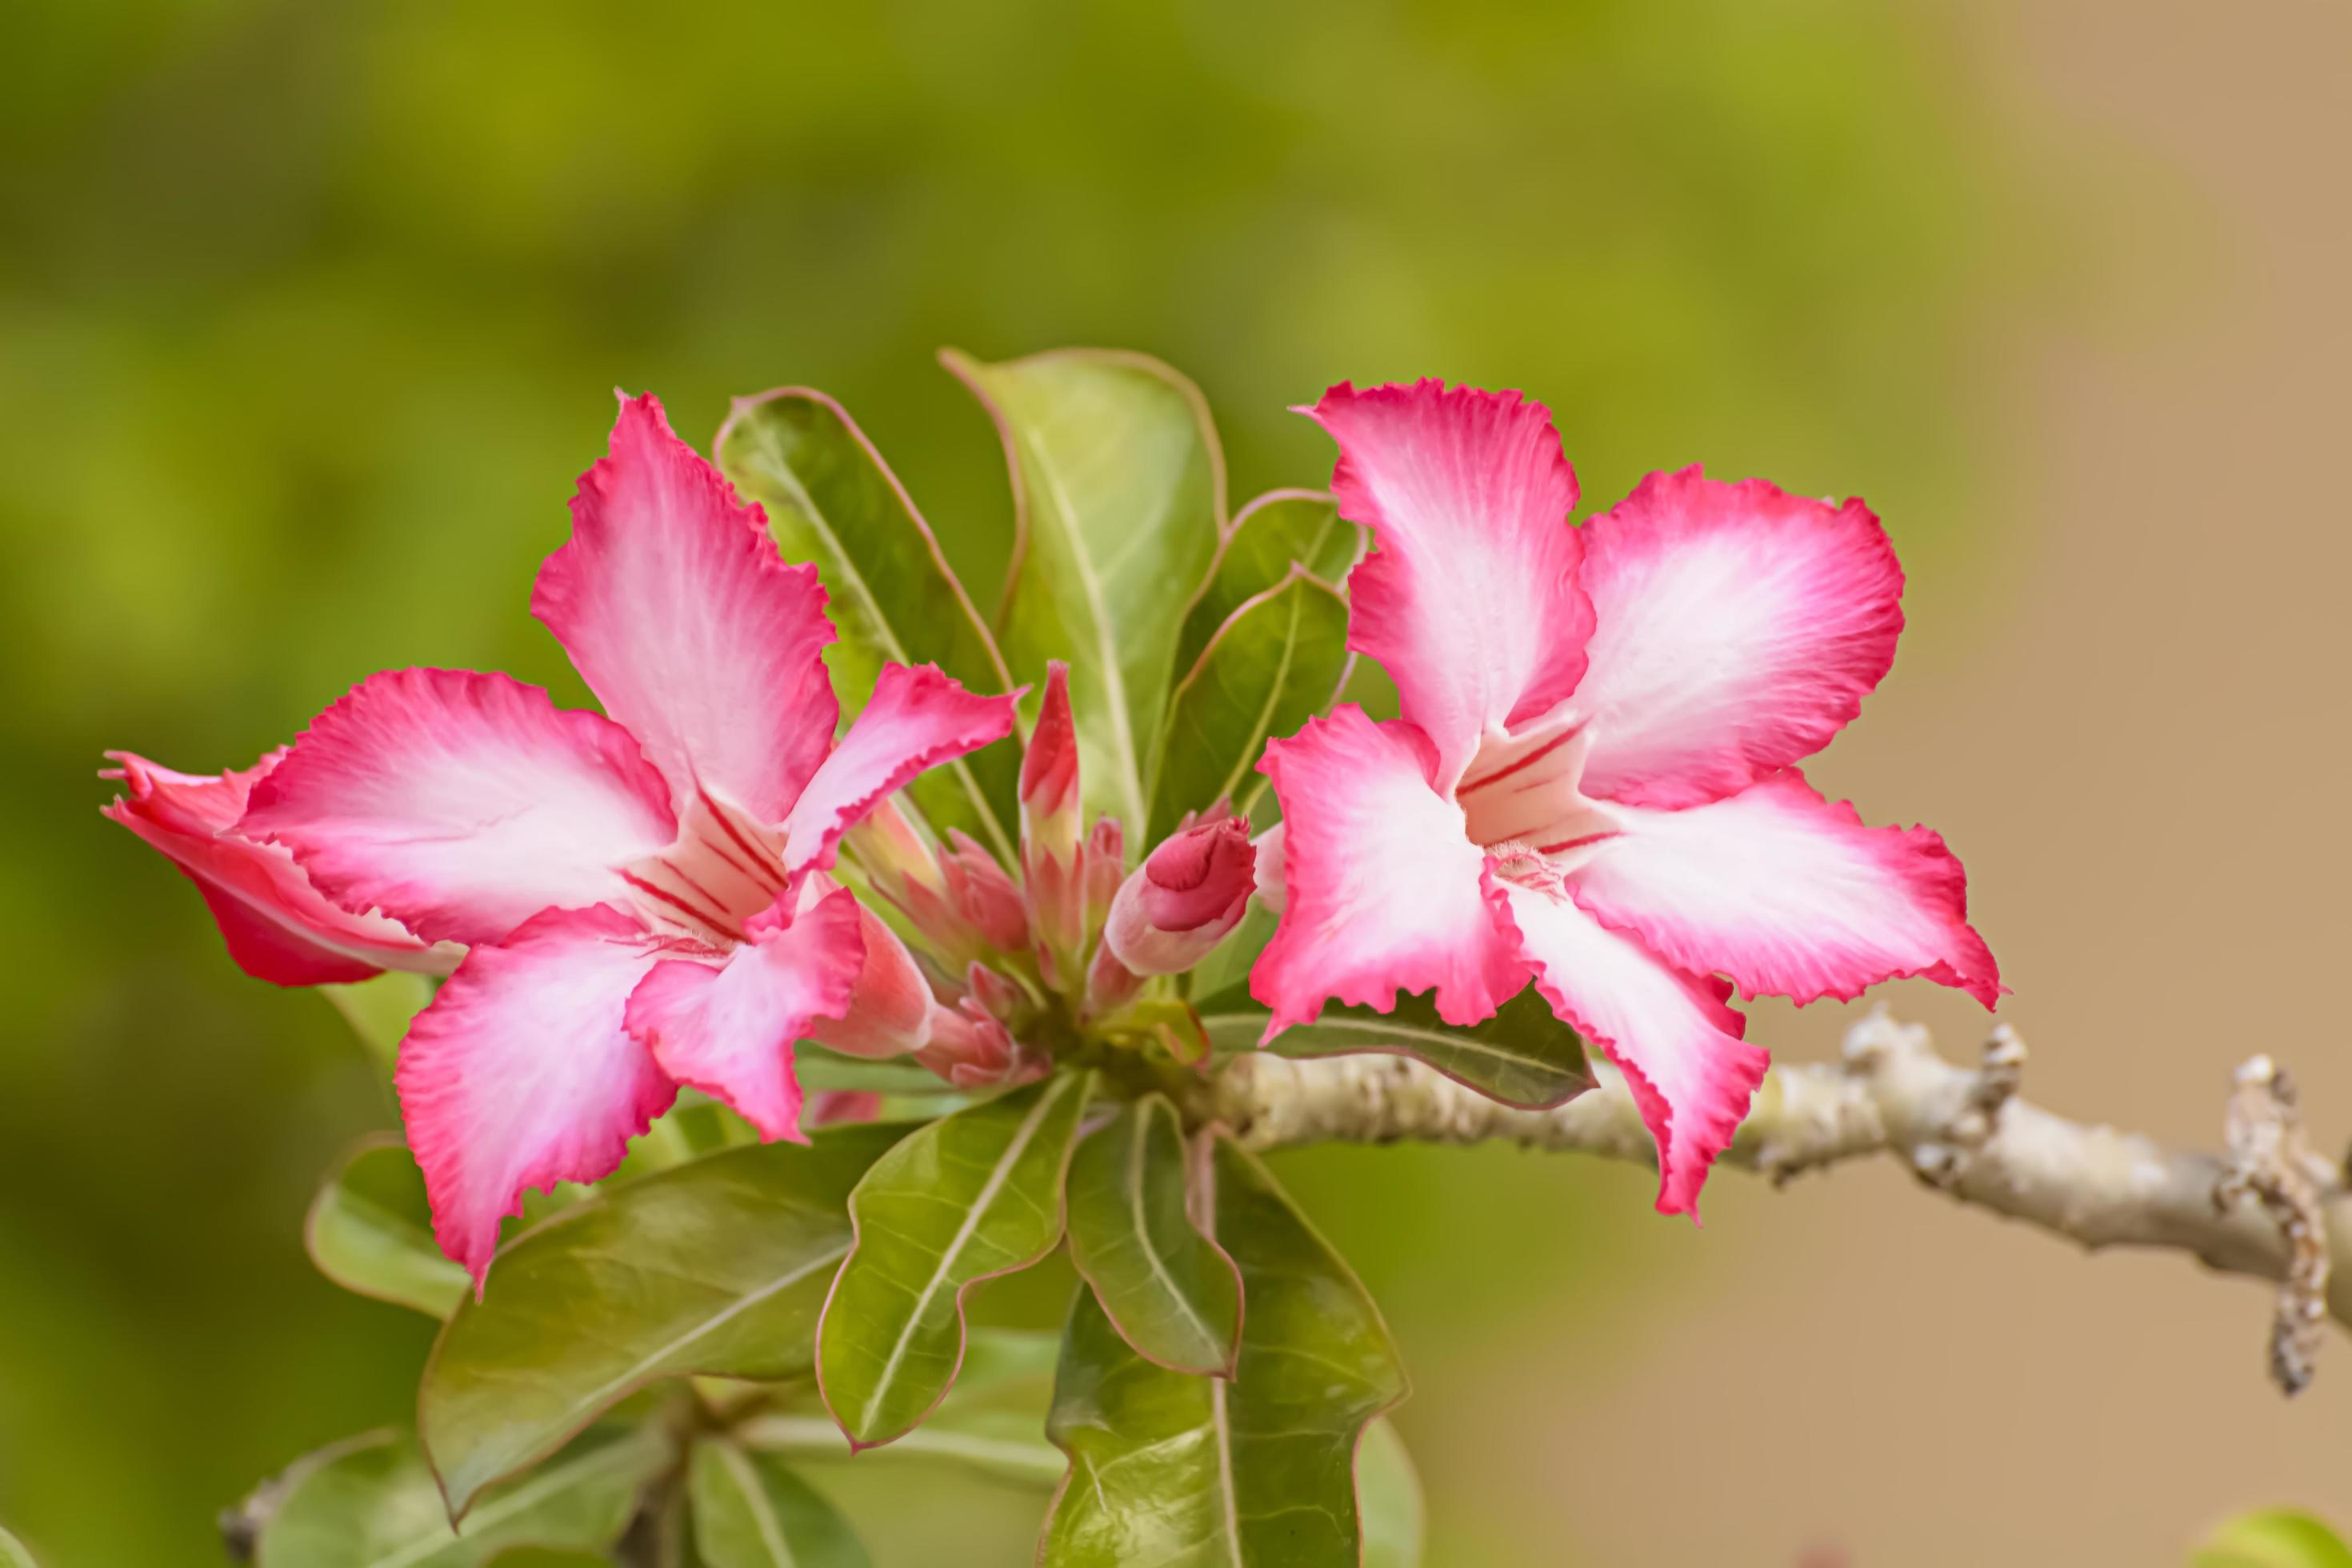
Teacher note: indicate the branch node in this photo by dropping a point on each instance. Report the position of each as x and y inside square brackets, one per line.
[2270, 1164]
[2002, 1072]
[1938, 1164]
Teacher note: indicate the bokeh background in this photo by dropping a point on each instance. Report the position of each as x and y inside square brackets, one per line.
[308, 318]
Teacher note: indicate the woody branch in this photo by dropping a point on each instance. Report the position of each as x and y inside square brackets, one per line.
[2269, 1208]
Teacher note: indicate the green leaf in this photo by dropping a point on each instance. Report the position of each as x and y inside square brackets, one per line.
[2273, 1538]
[716, 1266]
[1523, 1055]
[1276, 663]
[13, 1553]
[372, 1503]
[962, 1199]
[1171, 1291]
[1119, 492]
[830, 499]
[1279, 530]
[1194, 1472]
[820, 1071]
[1388, 1494]
[992, 1421]
[379, 1010]
[370, 1230]
[750, 1511]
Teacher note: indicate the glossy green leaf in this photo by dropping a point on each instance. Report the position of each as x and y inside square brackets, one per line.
[2273, 1538]
[1119, 496]
[1276, 663]
[992, 1421]
[1388, 1497]
[716, 1266]
[1273, 533]
[379, 1010]
[1195, 1472]
[962, 1199]
[370, 1230]
[1523, 1055]
[372, 1503]
[750, 1511]
[1170, 1290]
[830, 499]
[13, 1553]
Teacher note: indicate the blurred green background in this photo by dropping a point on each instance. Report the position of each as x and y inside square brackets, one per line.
[310, 315]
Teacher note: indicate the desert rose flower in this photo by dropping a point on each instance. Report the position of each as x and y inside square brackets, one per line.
[639, 889]
[1593, 784]
[279, 926]
[1184, 898]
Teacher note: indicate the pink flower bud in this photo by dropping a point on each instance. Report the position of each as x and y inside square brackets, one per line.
[891, 852]
[890, 1005]
[1106, 859]
[1184, 899]
[991, 993]
[1049, 771]
[1110, 984]
[973, 1051]
[990, 902]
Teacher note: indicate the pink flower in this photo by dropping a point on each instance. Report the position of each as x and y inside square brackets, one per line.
[1184, 898]
[279, 926]
[1591, 786]
[642, 894]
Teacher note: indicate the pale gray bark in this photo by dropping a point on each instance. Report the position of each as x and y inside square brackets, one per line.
[2269, 1208]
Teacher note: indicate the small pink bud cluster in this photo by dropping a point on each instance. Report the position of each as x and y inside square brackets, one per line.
[1077, 934]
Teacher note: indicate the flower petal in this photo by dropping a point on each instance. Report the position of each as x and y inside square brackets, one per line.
[915, 719]
[1736, 629]
[1671, 1035]
[1382, 887]
[1471, 601]
[462, 804]
[727, 1029]
[521, 1073]
[1789, 895]
[278, 926]
[696, 637]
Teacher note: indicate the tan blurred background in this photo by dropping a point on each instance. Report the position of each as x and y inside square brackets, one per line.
[2137, 732]
[306, 318]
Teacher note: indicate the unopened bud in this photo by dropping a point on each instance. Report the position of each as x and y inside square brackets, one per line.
[974, 1051]
[892, 854]
[1049, 771]
[990, 991]
[1184, 899]
[890, 1005]
[1110, 984]
[988, 900]
[1105, 863]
